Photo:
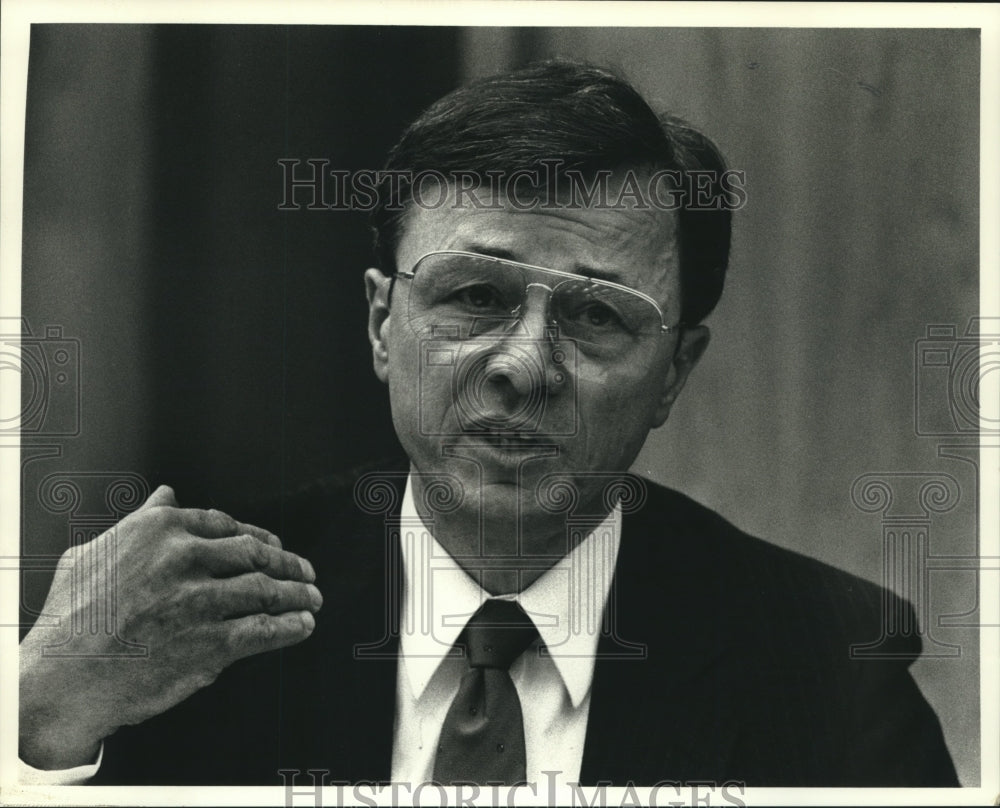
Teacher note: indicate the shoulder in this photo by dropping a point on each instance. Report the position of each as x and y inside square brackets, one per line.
[336, 499]
[801, 649]
[768, 587]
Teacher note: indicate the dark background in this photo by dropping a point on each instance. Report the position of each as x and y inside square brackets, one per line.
[222, 342]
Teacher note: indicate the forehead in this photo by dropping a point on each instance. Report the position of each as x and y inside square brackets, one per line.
[633, 247]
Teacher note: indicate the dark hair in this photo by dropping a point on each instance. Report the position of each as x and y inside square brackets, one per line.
[586, 117]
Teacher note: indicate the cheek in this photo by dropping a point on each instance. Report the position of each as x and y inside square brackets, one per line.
[621, 395]
[403, 367]
[420, 395]
[615, 415]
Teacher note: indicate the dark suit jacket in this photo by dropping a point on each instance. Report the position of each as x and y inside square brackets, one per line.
[744, 669]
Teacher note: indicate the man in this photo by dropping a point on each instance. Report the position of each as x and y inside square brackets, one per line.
[507, 603]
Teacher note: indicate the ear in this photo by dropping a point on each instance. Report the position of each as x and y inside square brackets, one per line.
[692, 344]
[377, 290]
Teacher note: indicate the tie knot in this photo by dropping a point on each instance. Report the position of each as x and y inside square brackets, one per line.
[497, 634]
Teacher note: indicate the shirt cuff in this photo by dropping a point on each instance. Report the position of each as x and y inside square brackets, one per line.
[77, 776]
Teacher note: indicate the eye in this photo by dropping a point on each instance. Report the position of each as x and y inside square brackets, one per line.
[596, 315]
[478, 296]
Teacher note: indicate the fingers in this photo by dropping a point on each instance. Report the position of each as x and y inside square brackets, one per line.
[164, 495]
[213, 524]
[260, 534]
[255, 592]
[234, 555]
[258, 633]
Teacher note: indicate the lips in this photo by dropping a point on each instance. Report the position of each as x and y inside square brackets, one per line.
[505, 440]
[508, 449]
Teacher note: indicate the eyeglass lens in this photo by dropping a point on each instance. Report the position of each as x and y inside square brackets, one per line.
[467, 296]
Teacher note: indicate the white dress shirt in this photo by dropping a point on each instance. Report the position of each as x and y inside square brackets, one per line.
[552, 677]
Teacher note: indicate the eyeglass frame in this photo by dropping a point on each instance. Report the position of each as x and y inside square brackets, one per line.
[411, 273]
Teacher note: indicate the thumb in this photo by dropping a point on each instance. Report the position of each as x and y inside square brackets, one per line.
[164, 495]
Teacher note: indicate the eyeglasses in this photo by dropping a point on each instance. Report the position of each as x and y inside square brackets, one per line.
[464, 295]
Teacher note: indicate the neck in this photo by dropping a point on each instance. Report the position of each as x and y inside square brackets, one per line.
[503, 552]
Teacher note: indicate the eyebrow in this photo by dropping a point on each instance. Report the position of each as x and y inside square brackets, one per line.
[578, 269]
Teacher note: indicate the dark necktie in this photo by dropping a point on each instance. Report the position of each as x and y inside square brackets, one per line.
[482, 740]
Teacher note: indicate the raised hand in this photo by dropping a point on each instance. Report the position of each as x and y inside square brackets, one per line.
[196, 589]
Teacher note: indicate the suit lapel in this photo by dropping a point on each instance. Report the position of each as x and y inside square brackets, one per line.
[661, 700]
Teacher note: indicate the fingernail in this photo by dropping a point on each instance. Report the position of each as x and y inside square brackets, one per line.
[308, 621]
[315, 596]
[307, 570]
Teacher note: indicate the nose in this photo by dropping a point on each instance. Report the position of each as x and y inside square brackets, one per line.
[533, 345]
[528, 367]
[520, 376]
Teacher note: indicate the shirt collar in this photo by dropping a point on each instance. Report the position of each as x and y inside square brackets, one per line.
[566, 603]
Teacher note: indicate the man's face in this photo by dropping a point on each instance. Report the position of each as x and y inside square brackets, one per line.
[588, 413]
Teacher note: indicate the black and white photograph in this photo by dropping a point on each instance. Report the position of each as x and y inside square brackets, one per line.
[510, 403]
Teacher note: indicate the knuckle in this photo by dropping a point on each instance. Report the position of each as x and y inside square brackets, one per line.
[149, 521]
[268, 592]
[263, 536]
[229, 642]
[201, 601]
[221, 519]
[161, 515]
[172, 559]
[261, 556]
[264, 628]
[184, 549]
[288, 566]
[249, 548]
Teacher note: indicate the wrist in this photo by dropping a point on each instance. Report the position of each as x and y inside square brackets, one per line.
[53, 732]
[49, 743]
